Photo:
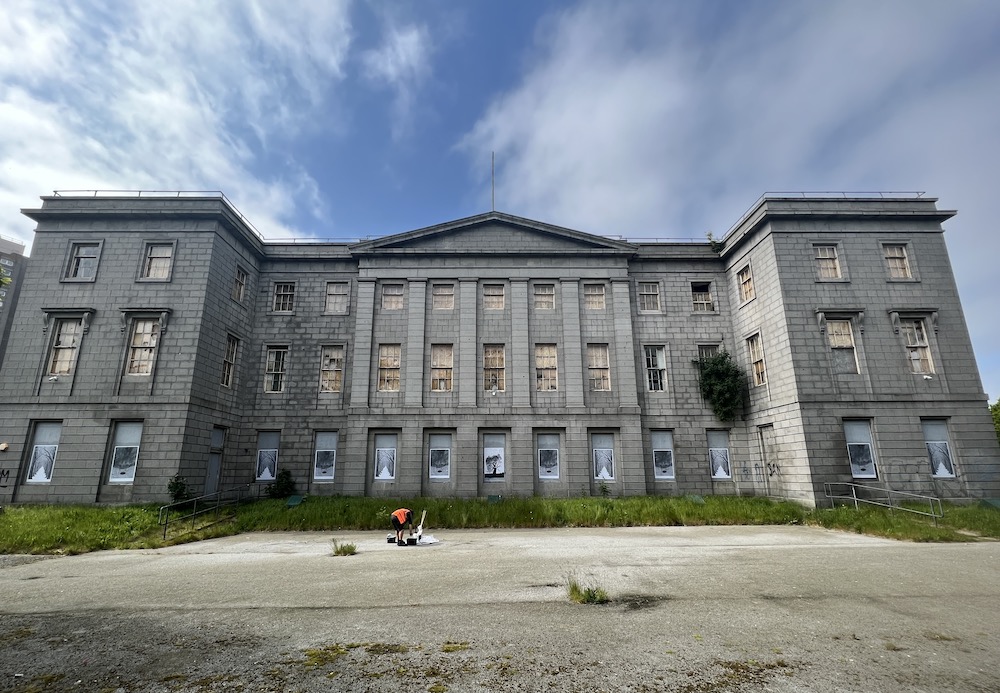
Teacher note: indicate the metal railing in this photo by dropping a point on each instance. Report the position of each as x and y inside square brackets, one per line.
[883, 497]
[226, 500]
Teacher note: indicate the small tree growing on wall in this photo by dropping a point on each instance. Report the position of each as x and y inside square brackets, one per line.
[995, 410]
[723, 385]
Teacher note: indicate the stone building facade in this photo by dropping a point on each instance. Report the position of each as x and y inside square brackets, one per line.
[488, 356]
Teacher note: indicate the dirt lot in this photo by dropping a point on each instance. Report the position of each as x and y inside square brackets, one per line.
[694, 609]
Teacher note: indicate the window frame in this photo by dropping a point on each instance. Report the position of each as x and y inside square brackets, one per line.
[931, 438]
[147, 265]
[41, 444]
[546, 373]
[442, 367]
[656, 367]
[755, 354]
[866, 440]
[275, 368]
[719, 453]
[329, 456]
[494, 296]
[229, 360]
[118, 438]
[389, 354]
[331, 368]
[663, 470]
[442, 296]
[644, 291]
[341, 300]
[845, 345]
[544, 296]
[699, 304]
[551, 463]
[607, 463]
[899, 268]
[435, 442]
[283, 297]
[390, 298]
[745, 284]
[265, 459]
[595, 296]
[140, 359]
[494, 455]
[71, 270]
[385, 458]
[240, 280]
[824, 264]
[494, 375]
[910, 329]
[599, 367]
[58, 350]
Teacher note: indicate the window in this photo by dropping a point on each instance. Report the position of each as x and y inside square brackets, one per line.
[897, 261]
[546, 368]
[83, 261]
[701, 297]
[325, 457]
[860, 449]
[545, 296]
[388, 368]
[331, 375]
[441, 367]
[598, 368]
[649, 297]
[44, 446]
[7, 262]
[656, 368]
[392, 297]
[239, 285]
[918, 351]
[65, 346]
[267, 455]
[229, 360]
[385, 456]
[707, 351]
[494, 446]
[938, 450]
[439, 456]
[284, 297]
[125, 453]
[274, 372]
[593, 296]
[755, 349]
[745, 280]
[827, 262]
[443, 296]
[493, 367]
[603, 447]
[718, 455]
[840, 337]
[663, 454]
[142, 346]
[493, 297]
[336, 298]
[547, 449]
[158, 261]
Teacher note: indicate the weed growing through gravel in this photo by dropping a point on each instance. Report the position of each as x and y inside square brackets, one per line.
[586, 595]
[344, 549]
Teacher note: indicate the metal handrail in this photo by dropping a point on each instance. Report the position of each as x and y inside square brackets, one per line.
[887, 500]
[209, 502]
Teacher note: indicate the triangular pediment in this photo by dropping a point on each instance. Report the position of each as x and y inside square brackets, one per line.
[493, 233]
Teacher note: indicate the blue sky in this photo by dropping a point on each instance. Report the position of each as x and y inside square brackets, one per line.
[643, 119]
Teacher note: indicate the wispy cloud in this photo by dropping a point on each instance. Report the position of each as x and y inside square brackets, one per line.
[402, 63]
[179, 95]
[654, 119]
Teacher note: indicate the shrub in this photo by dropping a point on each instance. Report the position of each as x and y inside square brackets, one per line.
[723, 385]
[178, 489]
[283, 486]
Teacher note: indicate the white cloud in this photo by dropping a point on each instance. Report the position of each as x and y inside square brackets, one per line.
[659, 120]
[401, 63]
[148, 95]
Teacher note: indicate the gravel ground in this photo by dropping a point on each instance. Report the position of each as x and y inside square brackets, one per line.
[692, 610]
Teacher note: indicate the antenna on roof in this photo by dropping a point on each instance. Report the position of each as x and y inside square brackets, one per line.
[493, 181]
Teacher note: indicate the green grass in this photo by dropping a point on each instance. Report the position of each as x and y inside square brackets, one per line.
[344, 549]
[590, 594]
[66, 529]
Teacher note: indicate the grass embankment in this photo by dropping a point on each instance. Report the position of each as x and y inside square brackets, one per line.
[77, 529]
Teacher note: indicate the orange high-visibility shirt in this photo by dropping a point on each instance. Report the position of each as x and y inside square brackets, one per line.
[402, 515]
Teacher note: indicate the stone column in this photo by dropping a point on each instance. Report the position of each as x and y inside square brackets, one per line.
[519, 368]
[364, 317]
[413, 387]
[624, 358]
[572, 367]
[468, 344]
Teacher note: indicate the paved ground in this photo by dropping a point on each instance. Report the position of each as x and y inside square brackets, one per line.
[695, 609]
